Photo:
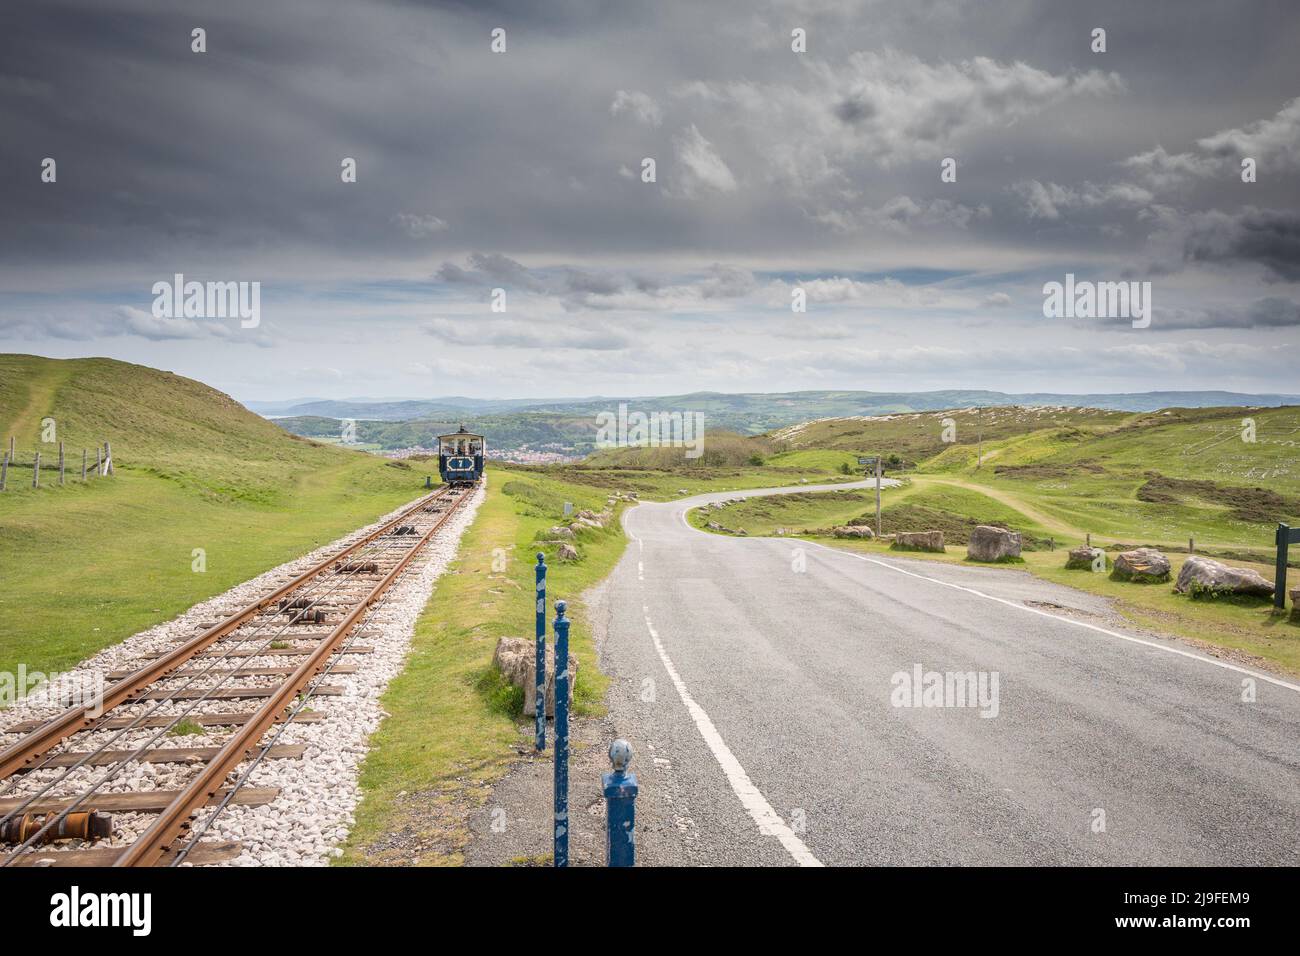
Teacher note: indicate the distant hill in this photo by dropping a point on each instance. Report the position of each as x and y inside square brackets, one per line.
[516, 422]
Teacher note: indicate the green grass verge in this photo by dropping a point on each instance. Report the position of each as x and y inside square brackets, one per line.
[85, 566]
[1247, 626]
[453, 723]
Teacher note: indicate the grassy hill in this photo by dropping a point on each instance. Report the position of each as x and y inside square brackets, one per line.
[1157, 477]
[84, 565]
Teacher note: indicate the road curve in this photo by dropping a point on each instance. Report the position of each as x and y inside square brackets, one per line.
[754, 678]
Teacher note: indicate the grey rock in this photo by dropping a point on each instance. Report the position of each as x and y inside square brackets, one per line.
[918, 541]
[1142, 566]
[988, 543]
[852, 531]
[1199, 573]
[1082, 558]
[516, 659]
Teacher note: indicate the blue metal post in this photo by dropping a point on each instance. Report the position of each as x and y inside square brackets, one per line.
[561, 735]
[620, 806]
[541, 651]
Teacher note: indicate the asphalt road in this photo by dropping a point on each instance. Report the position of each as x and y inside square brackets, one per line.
[754, 678]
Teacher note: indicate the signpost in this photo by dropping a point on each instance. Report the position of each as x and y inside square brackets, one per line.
[874, 460]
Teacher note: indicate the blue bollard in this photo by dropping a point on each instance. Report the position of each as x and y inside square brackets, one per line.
[620, 805]
[541, 651]
[561, 735]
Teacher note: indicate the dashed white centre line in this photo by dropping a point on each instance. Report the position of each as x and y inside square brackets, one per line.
[751, 798]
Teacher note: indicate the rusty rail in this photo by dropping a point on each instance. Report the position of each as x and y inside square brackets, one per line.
[153, 845]
[32, 745]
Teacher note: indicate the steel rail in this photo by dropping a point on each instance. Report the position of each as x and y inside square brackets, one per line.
[197, 832]
[21, 753]
[53, 820]
[152, 845]
[211, 668]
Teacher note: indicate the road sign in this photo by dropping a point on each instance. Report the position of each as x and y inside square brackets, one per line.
[868, 461]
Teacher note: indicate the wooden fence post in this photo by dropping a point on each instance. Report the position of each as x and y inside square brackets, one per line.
[83, 464]
[36, 471]
[11, 447]
[60, 462]
[4, 472]
[99, 460]
[108, 457]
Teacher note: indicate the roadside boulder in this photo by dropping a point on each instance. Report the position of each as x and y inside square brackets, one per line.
[516, 659]
[853, 531]
[1141, 566]
[918, 541]
[567, 552]
[561, 531]
[988, 543]
[1084, 558]
[1205, 577]
[1295, 604]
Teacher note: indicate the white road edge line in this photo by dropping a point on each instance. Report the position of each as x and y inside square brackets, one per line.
[751, 798]
[1056, 617]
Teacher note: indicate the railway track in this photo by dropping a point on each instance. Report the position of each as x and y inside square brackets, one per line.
[242, 680]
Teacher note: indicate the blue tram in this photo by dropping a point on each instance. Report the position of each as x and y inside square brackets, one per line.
[460, 458]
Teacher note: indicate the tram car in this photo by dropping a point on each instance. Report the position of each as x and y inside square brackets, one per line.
[460, 458]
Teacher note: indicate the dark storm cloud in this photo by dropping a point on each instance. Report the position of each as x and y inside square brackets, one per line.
[523, 170]
[1266, 237]
[164, 153]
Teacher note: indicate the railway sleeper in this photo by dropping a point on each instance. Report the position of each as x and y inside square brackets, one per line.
[189, 755]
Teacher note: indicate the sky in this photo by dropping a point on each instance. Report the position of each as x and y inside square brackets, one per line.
[778, 172]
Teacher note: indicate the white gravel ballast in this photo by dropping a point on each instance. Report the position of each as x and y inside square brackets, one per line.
[319, 792]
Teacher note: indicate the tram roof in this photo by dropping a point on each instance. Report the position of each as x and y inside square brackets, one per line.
[460, 434]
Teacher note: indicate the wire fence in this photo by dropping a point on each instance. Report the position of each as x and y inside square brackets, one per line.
[19, 470]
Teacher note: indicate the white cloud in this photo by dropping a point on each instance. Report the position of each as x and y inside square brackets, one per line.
[702, 167]
[641, 106]
[1273, 142]
[419, 226]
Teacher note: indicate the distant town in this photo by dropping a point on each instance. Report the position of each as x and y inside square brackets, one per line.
[546, 455]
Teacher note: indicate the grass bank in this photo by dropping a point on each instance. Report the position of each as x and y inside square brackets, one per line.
[206, 495]
[453, 726]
